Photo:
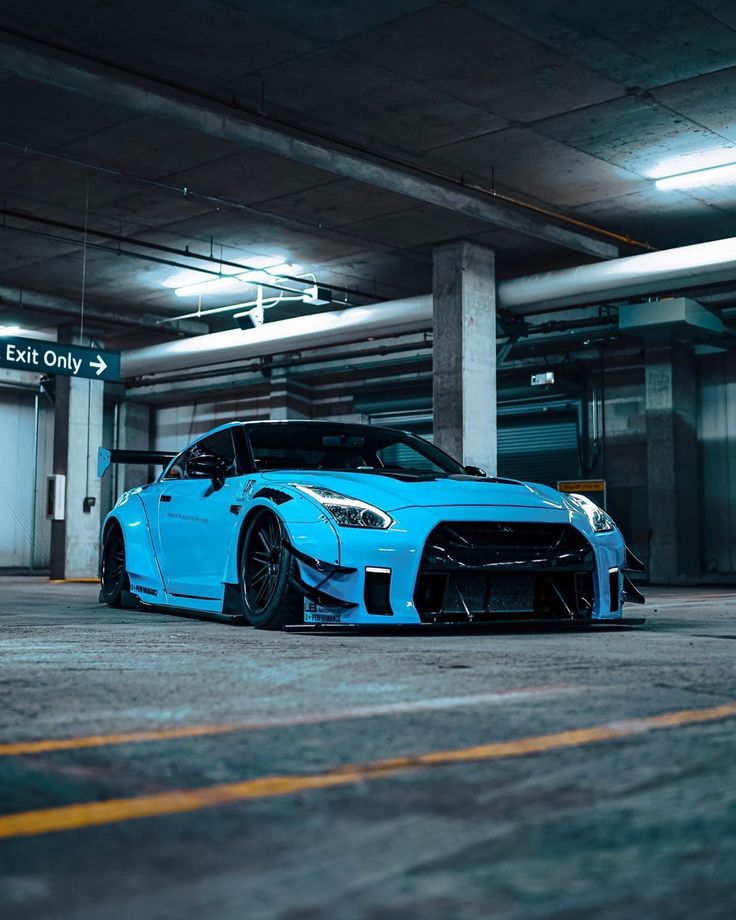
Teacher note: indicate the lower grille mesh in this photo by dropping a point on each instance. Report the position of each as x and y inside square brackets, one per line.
[487, 570]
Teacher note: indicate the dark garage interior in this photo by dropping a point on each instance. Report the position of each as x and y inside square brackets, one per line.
[393, 231]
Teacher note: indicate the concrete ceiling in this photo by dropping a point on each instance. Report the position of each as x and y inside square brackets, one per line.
[568, 105]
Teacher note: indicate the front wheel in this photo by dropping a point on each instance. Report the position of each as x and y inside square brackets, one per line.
[269, 599]
[113, 575]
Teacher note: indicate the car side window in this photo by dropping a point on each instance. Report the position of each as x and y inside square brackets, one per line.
[177, 468]
[220, 444]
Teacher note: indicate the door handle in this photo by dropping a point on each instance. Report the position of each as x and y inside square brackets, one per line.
[165, 498]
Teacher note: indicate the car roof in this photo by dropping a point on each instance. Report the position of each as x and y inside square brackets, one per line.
[298, 421]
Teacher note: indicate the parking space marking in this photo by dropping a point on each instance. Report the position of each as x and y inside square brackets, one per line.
[47, 745]
[113, 811]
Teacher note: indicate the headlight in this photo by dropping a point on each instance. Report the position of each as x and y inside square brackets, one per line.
[599, 520]
[348, 512]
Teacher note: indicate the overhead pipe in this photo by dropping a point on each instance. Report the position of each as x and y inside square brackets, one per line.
[381, 320]
[698, 265]
[657, 272]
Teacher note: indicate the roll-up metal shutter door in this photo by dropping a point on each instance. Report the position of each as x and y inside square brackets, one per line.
[19, 501]
[539, 447]
[537, 442]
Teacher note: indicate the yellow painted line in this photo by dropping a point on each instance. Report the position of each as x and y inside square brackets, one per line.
[49, 745]
[90, 814]
[74, 581]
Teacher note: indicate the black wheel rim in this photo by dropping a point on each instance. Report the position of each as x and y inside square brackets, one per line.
[263, 560]
[113, 564]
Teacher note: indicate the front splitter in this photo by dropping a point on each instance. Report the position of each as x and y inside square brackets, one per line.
[506, 626]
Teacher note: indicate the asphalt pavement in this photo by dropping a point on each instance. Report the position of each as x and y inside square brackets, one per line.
[154, 766]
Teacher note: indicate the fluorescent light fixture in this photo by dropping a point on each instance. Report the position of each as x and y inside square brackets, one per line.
[192, 283]
[693, 161]
[715, 175]
[259, 276]
[224, 285]
[232, 281]
[10, 330]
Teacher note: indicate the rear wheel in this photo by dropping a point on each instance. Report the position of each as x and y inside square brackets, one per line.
[269, 599]
[113, 575]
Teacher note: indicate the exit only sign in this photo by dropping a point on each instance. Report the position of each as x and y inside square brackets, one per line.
[53, 358]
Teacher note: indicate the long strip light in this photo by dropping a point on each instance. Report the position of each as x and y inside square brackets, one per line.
[714, 175]
[235, 282]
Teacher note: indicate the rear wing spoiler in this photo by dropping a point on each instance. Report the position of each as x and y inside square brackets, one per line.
[107, 456]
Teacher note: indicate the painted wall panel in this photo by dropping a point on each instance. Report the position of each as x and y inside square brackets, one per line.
[17, 482]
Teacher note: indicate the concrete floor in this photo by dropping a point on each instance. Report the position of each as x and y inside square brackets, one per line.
[643, 824]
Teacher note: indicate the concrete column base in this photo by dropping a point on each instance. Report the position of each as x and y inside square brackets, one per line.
[77, 435]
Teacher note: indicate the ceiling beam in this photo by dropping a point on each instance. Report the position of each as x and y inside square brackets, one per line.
[44, 64]
[18, 300]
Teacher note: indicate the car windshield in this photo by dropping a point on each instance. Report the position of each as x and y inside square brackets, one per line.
[316, 446]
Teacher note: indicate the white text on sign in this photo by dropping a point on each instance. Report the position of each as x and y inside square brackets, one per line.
[30, 357]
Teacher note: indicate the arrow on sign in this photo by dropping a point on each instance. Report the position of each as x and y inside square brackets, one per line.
[100, 364]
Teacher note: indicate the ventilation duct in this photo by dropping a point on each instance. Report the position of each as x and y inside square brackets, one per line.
[654, 272]
[380, 320]
[675, 320]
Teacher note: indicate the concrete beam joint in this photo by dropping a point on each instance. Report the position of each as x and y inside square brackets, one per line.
[76, 74]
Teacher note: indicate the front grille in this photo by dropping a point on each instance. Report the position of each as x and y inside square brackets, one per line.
[506, 534]
[486, 570]
[498, 545]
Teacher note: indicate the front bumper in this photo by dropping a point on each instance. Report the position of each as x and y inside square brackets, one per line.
[583, 579]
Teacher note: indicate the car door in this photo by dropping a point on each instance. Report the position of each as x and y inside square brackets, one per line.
[196, 520]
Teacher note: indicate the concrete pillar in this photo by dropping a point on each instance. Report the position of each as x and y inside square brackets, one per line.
[464, 353]
[672, 465]
[77, 435]
[289, 399]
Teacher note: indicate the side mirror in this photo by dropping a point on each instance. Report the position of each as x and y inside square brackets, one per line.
[206, 466]
[475, 471]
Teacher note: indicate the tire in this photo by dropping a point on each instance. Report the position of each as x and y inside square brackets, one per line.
[113, 575]
[269, 600]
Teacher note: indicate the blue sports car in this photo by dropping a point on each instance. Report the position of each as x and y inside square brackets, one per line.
[300, 522]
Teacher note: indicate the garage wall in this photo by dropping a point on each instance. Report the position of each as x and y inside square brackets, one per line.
[17, 509]
[531, 446]
[175, 426]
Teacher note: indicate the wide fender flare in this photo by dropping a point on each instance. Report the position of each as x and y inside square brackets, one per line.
[140, 561]
[305, 527]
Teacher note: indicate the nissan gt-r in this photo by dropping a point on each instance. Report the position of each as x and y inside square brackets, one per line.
[306, 522]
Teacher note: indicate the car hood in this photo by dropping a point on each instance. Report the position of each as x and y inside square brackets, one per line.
[391, 492]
